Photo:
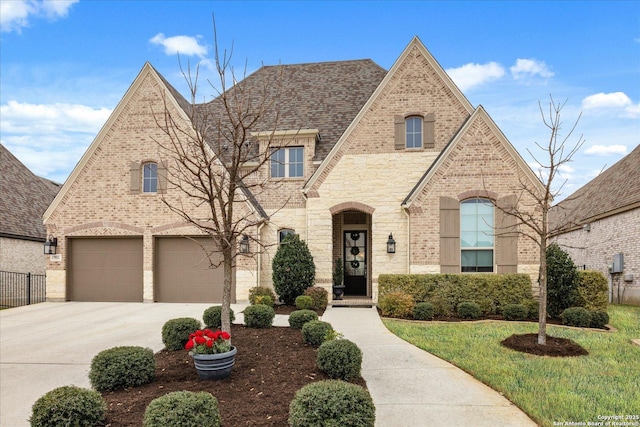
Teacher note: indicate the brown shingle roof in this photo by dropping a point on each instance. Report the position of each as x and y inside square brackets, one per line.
[613, 191]
[326, 96]
[23, 199]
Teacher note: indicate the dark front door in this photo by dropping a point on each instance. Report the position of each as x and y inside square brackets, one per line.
[355, 262]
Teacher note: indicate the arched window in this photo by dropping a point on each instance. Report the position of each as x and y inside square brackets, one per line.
[413, 126]
[477, 235]
[150, 177]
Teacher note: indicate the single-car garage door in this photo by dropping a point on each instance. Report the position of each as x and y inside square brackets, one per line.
[183, 273]
[105, 269]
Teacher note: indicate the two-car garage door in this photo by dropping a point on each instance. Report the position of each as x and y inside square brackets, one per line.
[111, 269]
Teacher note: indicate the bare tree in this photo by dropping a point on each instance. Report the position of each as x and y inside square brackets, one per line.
[216, 162]
[533, 218]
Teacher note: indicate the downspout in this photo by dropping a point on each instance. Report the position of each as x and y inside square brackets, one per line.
[405, 210]
[259, 258]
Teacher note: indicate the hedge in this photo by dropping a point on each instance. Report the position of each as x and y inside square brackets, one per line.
[592, 291]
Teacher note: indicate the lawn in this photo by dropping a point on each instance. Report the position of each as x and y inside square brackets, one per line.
[552, 391]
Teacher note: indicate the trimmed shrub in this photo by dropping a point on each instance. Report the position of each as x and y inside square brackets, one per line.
[599, 319]
[562, 281]
[396, 304]
[486, 305]
[298, 318]
[258, 293]
[264, 300]
[423, 311]
[69, 406]
[533, 309]
[469, 310]
[340, 359]
[576, 316]
[175, 332]
[440, 306]
[183, 409]
[304, 302]
[515, 312]
[293, 269]
[121, 367]
[259, 316]
[319, 295]
[593, 291]
[315, 332]
[332, 403]
[212, 317]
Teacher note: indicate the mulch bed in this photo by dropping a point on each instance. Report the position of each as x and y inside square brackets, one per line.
[271, 365]
[555, 347]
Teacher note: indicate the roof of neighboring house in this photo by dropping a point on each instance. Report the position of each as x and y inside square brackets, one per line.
[615, 190]
[326, 96]
[23, 199]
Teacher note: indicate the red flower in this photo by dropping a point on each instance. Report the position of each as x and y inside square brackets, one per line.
[200, 340]
[192, 336]
[210, 334]
[199, 333]
[189, 345]
[225, 335]
[209, 343]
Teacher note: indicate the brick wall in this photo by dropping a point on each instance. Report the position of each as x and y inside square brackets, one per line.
[22, 256]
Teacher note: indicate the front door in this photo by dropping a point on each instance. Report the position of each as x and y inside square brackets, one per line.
[355, 262]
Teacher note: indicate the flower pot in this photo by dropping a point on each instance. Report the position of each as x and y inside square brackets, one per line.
[338, 291]
[215, 366]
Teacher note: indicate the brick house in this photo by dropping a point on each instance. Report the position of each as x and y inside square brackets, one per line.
[23, 199]
[599, 225]
[367, 155]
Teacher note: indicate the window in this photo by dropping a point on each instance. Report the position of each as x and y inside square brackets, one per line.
[150, 178]
[413, 132]
[287, 162]
[282, 234]
[476, 235]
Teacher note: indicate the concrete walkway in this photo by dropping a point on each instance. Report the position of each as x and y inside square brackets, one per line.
[413, 388]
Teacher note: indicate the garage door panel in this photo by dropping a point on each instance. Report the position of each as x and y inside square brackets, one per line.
[105, 269]
[183, 273]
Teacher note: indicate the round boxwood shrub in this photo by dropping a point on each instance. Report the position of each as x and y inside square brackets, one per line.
[175, 332]
[576, 316]
[298, 318]
[257, 294]
[319, 295]
[515, 312]
[469, 310]
[259, 316]
[264, 300]
[424, 311]
[599, 319]
[183, 409]
[533, 308]
[397, 304]
[332, 403]
[293, 269]
[121, 367]
[315, 332]
[212, 317]
[304, 302]
[69, 406]
[340, 359]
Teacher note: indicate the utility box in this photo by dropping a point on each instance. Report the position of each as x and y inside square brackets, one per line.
[618, 263]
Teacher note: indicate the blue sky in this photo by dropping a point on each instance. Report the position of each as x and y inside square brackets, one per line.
[64, 65]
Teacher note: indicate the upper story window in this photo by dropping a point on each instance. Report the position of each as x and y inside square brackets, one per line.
[287, 162]
[413, 126]
[282, 234]
[476, 235]
[150, 178]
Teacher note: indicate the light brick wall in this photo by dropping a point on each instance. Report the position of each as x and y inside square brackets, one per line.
[22, 256]
[594, 250]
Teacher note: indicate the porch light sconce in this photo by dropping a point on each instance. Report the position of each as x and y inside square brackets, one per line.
[391, 244]
[244, 244]
[50, 246]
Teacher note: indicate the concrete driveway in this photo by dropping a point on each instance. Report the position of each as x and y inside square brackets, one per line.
[48, 345]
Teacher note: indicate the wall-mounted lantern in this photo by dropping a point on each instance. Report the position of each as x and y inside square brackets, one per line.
[244, 244]
[50, 246]
[391, 244]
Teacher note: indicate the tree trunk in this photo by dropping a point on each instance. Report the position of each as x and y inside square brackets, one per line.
[227, 252]
[542, 313]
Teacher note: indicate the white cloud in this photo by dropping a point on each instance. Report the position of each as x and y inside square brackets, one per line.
[528, 68]
[606, 100]
[470, 75]
[15, 14]
[606, 150]
[25, 118]
[184, 45]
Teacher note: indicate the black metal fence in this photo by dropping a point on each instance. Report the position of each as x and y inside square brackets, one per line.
[18, 289]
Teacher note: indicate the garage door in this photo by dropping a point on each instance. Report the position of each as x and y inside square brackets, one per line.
[105, 269]
[183, 273]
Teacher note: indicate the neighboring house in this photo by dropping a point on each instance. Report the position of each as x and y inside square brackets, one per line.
[365, 154]
[599, 226]
[23, 199]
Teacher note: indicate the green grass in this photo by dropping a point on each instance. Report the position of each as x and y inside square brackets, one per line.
[548, 389]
